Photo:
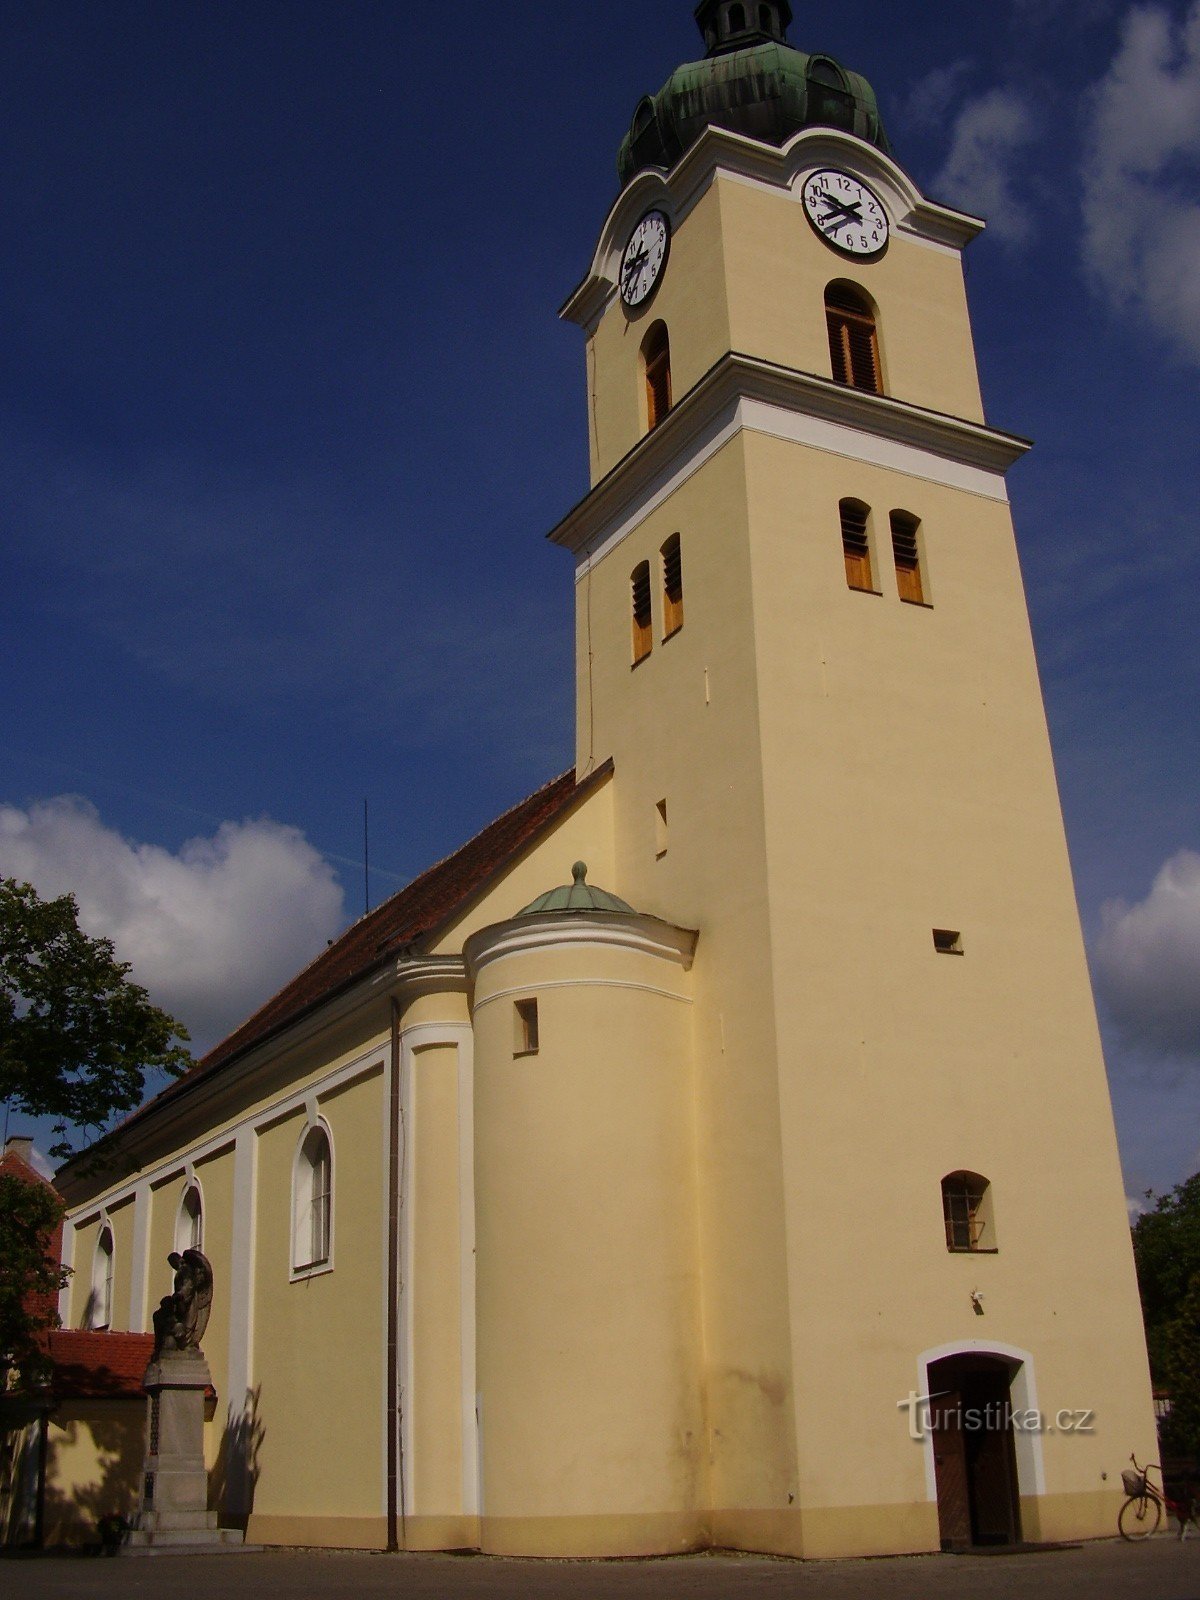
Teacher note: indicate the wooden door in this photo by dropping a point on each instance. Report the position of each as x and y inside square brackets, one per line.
[950, 1467]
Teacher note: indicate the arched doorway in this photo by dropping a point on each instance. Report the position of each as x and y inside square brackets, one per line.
[974, 1453]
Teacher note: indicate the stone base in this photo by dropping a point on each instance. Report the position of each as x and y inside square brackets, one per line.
[187, 1542]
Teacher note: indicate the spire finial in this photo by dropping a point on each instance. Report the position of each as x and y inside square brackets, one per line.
[579, 873]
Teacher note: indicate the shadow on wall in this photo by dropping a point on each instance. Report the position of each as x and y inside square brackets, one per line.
[95, 1452]
[233, 1477]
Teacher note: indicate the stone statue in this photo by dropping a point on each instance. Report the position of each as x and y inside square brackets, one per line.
[182, 1315]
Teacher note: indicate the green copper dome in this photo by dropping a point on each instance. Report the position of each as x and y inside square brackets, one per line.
[576, 896]
[751, 82]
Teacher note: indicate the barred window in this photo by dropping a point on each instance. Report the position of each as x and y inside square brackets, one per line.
[966, 1209]
[853, 338]
[856, 543]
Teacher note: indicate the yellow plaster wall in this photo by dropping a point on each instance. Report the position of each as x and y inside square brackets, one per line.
[435, 1403]
[319, 1343]
[587, 1305]
[683, 726]
[747, 273]
[95, 1456]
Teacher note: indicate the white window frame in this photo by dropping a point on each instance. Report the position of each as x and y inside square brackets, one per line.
[103, 1276]
[183, 1230]
[303, 1199]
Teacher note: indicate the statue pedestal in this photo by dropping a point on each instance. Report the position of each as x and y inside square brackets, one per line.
[174, 1512]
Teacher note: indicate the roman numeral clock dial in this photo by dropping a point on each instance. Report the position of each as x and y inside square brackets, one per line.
[846, 214]
[644, 259]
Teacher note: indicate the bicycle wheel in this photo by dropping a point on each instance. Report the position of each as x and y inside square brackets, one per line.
[1139, 1517]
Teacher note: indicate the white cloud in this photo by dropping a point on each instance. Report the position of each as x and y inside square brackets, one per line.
[981, 171]
[1141, 218]
[1147, 960]
[930, 98]
[211, 931]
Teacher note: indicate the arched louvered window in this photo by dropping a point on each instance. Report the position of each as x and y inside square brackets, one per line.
[672, 577]
[656, 372]
[853, 338]
[967, 1212]
[737, 19]
[643, 630]
[100, 1302]
[906, 552]
[856, 543]
[189, 1223]
[829, 99]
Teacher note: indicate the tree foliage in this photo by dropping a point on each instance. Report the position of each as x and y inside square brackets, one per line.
[77, 1037]
[1166, 1247]
[30, 1276]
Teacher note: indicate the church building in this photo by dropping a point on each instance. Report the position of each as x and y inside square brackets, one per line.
[716, 1151]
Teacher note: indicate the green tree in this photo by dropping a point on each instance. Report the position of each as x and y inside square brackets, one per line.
[1166, 1248]
[77, 1038]
[30, 1276]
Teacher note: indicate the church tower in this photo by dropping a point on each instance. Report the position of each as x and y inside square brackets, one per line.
[803, 642]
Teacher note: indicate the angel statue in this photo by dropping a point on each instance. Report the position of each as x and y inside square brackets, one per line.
[182, 1315]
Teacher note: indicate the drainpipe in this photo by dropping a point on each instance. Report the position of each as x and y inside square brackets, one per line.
[395, 1465]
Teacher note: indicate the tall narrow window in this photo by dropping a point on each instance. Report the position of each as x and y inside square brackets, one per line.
[525, 1027]
[189, 1224]
[853, 338]
[856, 543]
[656, 368]
[672, 575]
[907, 553]
[312, 1227]
[737, 18]
[643, 633]
[101, 1298]
[966, 1209]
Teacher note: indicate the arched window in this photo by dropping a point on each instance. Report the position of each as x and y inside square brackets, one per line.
[672, 579]
[853, 338]
[643, 631]
[856, 543]
[829, 99]
[765, 20]
[656, 371]
[906, 552]
[101, 1299]
[312, 1201]
[189, 1222]
[737, 19]
[967, 1211]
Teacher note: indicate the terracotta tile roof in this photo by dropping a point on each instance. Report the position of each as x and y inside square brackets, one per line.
[12, 1165]
[420, 910]
[90, 1365]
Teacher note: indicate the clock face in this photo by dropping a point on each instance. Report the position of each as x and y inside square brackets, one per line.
[845, 213]
[644, 259]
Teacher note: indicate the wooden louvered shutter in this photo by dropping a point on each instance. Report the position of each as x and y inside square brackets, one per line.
[856, 545]
[672, 587]
[853, 342]
[643, 637]
[907, 556]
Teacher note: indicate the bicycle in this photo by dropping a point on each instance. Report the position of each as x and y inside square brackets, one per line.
[1142, 1513]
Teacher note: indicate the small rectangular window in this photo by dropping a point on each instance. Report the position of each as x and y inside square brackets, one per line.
[525, 1028]
[856, 544]
[643, 633]
[947, 942]
[672, 572]
[660, 830]
[907, 554]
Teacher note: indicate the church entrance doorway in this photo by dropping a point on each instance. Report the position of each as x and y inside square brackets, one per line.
[974, 1455]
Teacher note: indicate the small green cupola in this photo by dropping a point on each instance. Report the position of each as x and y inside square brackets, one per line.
[578, 895]
[751, 82]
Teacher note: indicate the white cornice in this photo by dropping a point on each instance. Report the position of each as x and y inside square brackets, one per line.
[555, 930]
[708, 414]
[719, 150]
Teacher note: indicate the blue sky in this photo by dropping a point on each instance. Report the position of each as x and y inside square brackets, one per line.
[285, 412]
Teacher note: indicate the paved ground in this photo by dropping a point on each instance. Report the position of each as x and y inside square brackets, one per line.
[1162, 1569]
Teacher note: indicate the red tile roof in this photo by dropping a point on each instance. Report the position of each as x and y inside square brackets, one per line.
[90, 1365]
[414, 913]
[12, 1165]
